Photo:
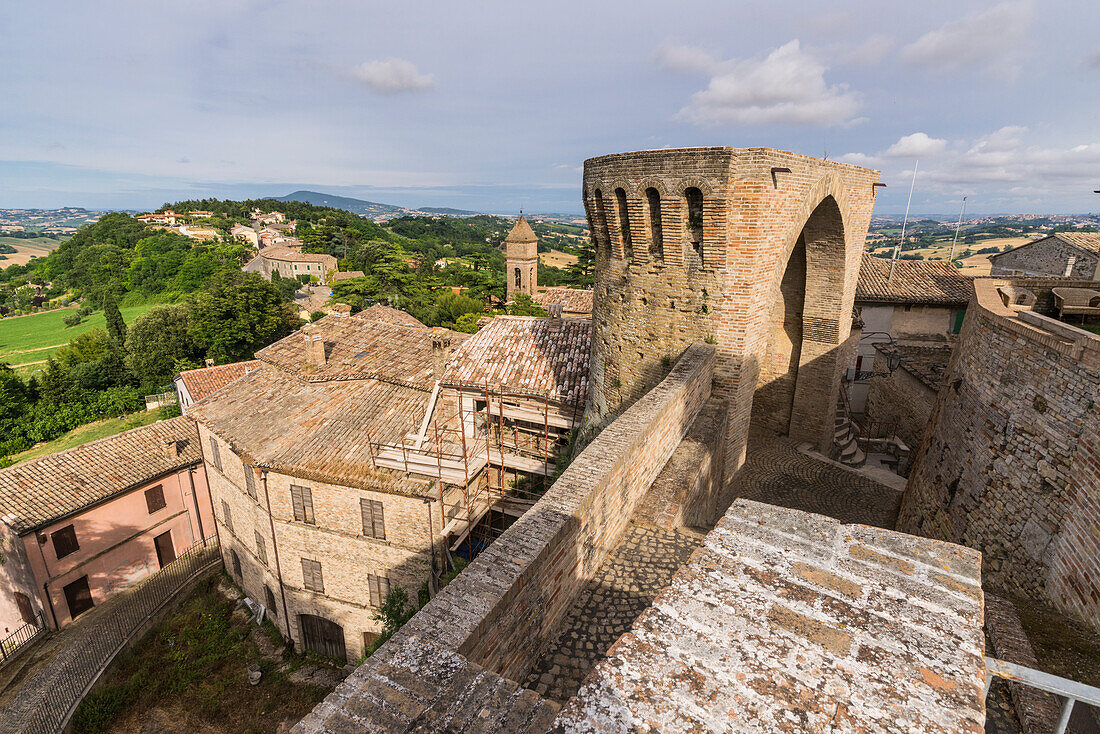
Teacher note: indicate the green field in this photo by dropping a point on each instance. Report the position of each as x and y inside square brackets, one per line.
[26, 342]
[90, 432]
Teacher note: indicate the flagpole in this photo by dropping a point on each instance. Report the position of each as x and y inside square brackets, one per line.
[957, 226]
[897, 247]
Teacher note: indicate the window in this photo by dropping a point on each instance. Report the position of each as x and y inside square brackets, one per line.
[261, 549]
[227, 516]
[215, 454]
[236, 563]
[624, 224]
[302, 499]
[311, 576]
[379, 588]
[957, 320]
[518, 278]
[26, 611]
[154, 498]
[249, 480]
[269, 600]
[656, 234]
[79, 597]
[373, 524]
[64, 541]
[369, 638]
[693, 198]
[601, 219]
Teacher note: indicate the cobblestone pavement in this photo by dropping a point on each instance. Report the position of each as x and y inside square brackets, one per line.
[776, 472]
[635, 572]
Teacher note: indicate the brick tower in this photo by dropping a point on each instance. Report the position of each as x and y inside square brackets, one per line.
[522, 251]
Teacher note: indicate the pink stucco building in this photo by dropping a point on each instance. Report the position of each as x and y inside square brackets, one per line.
[79, 525]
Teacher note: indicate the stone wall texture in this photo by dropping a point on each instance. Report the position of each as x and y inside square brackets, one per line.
[900, 398]
[693, 245]
[1010, 464]
[1048, 256]
[499, 613]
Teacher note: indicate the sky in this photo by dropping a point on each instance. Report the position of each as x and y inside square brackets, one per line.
[494, 106]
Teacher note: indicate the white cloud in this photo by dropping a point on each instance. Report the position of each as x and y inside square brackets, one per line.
[787, 86]
[917, 145]
[685, 59]
[990, 40]
[869, 51]
[392, 75]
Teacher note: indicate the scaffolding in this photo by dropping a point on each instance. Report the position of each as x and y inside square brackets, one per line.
[492, 457]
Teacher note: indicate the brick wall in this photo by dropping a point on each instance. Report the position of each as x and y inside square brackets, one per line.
[651, 305]
[900, 398]
[1009, 463]
[507, 604]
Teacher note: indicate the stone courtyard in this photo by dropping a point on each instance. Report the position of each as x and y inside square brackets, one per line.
[648, 557]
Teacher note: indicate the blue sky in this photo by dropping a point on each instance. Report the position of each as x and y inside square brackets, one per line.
[495, 105]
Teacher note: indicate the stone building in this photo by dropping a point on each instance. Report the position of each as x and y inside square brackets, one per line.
[1011, 462]
[521, 248]
[194, 385]
[574, 302]
[80, 525]
[755, 250]
[290, 263]
[1061, 255]
[903, 302]
[899, 402]
[362, 453]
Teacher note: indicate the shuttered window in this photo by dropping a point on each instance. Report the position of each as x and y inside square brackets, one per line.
[311, 576]
[227, 516]
[373, 524]
[64, 541]
[302, 499]
[379, 588]
[154, 499]
[215, 454]
[249, 480]
[261, 549]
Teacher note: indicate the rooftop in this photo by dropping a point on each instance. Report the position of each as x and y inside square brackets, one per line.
[911, 281]
[38, 492]
[786, 621]
[521, 232]
[1085, 240]
[571, 300]
[294, 255]
[346, 275]
[526, 354]
[378, 312]
[206, 380]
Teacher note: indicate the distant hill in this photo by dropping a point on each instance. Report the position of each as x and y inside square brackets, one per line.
[370, 209]
[447, 211]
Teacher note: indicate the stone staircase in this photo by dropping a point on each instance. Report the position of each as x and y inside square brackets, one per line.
[846, 448]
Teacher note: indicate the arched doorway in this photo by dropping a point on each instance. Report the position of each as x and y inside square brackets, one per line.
[778, 374]
[322, 636]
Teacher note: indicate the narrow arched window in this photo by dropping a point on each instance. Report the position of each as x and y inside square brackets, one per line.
[693, 197]
[624, 223]
[602, 238]
[656, 235]
[519, 279]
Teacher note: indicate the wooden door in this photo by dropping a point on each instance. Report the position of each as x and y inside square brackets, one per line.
[166, 552]
[323, 636]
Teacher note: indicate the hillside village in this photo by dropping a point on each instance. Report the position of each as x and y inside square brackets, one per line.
[413, 502]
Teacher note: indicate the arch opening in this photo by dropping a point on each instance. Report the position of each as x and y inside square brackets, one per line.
[624, 223]
[604, 238]
[693, 202]
[656, 233]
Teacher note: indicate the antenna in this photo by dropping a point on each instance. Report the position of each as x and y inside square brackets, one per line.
[904, 222]
[950, 259]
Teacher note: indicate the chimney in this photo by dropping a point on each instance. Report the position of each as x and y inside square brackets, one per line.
[555, 316]
[172, 449]
[209, 362]
[441, 354]
[316, 349]
[341, 309]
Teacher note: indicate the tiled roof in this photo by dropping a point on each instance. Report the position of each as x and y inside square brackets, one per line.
[521, 232]
[358, 349]
[37, 492]
[1084, 240]
[346, 275]
[927, 364]
[525, 354]
[206, 380]
[291, 254]
[316, 430]
[572, 300]
[378, 312]
[911, 281]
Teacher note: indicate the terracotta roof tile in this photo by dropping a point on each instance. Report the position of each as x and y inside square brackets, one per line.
[1084, 240]
[572, 300]
[39, 491]
[378, 312]
[912, 281]
[521, 232]
[207, 380]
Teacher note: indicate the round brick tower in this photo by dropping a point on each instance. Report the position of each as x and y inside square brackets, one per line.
[754, 250]
[522, 252]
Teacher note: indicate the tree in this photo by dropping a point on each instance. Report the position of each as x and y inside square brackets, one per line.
[237, 314]
[524, 305]
[451, 306]
[116, 327]
[14, 395]
[158, 340]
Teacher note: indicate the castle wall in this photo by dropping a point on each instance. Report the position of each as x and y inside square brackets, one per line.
[901, 398]
[715, 274]
[1049, 256]
[1010, 462]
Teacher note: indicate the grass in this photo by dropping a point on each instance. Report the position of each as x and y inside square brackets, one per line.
[38, 247]
[557, 258]
[189, 673]
[29, 340]
[90, 432]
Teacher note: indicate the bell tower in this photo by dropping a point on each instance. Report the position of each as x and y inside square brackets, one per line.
[522, 252]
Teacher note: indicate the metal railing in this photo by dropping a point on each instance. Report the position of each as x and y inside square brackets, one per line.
[76, 668]
[17, 641]
[1068, 690]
